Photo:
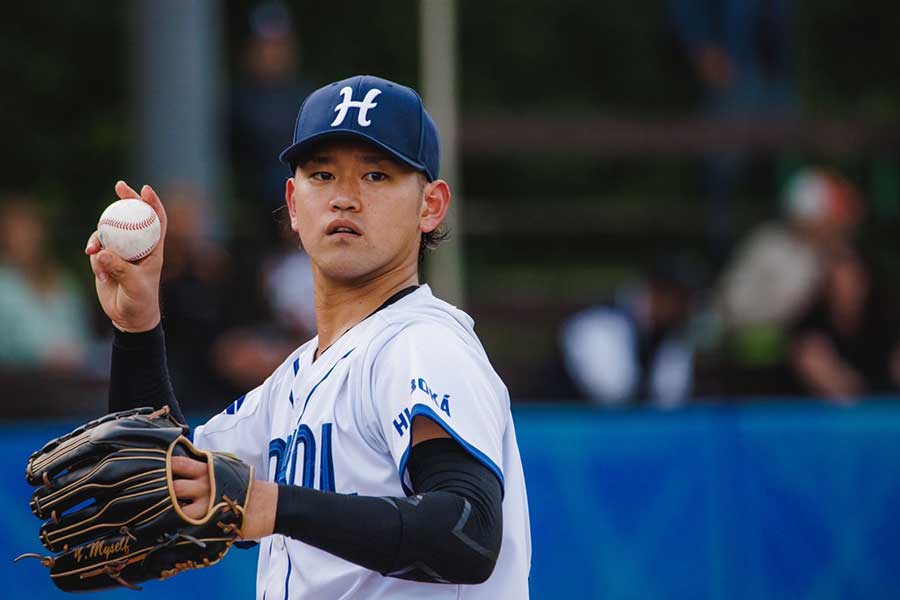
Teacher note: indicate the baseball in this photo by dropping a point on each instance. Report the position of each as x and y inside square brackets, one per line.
[130, 228]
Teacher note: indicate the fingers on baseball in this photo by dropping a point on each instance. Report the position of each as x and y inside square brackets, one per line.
[124, 191]
[96, 267]
[109, 265]
[93, 244]
[148, 195]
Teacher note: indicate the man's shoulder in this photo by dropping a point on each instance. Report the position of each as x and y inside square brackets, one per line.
[422, 330]
[423, 334]
[428, 339]
[418, 325]
[423, 309]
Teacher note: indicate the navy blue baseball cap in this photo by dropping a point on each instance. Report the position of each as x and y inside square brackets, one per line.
[382, 112]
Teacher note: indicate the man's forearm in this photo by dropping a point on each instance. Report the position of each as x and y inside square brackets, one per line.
[449, 532]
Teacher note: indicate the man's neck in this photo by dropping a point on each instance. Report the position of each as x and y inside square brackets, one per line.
[340, 306]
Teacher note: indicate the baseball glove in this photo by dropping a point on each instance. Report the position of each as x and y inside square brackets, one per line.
[112, 518]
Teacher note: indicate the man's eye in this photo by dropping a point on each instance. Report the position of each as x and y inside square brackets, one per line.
[322, 176]
[375, 176]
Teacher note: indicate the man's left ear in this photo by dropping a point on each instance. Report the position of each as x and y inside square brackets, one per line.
[435, 203]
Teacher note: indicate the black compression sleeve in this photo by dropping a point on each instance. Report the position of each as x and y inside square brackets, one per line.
[139, 375]
[449, 532]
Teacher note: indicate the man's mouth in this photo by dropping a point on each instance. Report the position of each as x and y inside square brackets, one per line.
[342, 226]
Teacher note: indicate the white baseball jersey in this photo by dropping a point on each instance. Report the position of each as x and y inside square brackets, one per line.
[342, 423]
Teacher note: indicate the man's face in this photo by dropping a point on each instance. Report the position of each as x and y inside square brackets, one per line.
[356, 210]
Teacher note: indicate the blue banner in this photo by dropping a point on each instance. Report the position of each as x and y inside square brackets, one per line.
[758, 501]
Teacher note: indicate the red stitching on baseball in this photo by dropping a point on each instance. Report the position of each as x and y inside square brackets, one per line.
[141, 255]
[128, 226]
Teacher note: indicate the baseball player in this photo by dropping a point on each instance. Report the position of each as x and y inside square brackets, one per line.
[386, 457]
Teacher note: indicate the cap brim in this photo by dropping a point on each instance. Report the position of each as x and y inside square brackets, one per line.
[291, 154]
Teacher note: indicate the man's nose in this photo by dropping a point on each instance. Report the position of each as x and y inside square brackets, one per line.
[345, 200]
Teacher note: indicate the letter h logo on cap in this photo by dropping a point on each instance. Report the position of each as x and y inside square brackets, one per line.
[364, 106]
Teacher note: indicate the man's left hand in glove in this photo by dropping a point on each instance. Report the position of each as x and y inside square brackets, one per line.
[122, 503]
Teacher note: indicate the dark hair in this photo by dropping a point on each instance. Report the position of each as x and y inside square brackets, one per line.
[432, 240]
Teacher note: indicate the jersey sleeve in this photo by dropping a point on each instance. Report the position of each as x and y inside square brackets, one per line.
[241, 429]
[430, 371]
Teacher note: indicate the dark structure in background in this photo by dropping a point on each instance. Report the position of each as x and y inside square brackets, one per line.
[741, 53]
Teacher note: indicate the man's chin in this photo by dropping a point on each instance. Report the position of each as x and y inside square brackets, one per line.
[345, 269]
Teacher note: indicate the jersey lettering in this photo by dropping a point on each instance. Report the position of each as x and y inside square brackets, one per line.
[402, 422]
[421, 385]
[304, 435]
[282, 450]
[326, 464]
[276, 451]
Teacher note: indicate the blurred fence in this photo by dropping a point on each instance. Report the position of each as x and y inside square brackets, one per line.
[756, 501]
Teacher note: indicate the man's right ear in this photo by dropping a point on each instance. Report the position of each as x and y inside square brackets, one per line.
[289, 201]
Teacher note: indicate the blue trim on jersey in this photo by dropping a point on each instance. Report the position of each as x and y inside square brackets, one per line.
[287, 578]
[315, 387]
[296, 370]
[426, 411]
[235, 406]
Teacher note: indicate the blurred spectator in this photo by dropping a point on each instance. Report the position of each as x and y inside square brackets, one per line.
[194, 298]
[775, 272]
[248, 354]
[772, 280]
[288, 288]
[635, 349]
[848, 344]
[43, 323]
[266, 98]
[741, 52]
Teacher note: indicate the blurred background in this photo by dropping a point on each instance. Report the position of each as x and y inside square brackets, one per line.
[675, 224]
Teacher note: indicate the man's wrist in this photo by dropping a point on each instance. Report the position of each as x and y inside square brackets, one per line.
[130, 340]
[149, 325]
[259, 514]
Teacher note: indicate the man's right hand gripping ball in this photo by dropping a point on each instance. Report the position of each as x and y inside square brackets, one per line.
[129, 292]
[112, 515]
